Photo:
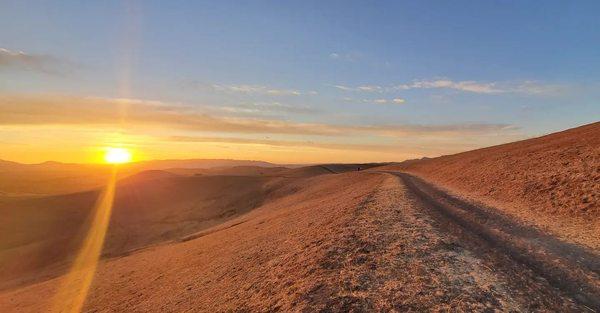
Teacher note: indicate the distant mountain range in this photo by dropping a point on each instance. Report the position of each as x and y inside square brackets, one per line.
[56, 177]
[150, 164]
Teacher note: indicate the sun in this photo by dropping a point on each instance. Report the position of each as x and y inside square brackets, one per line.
[117, 155]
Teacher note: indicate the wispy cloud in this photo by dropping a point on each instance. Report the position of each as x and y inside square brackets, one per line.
[370, 88]
[363, 88]
[377, 101]
[431, 148]
[350, 56]
[523, 87]
[528, 87]
[91, 111]
[266, 108]
[33, 62]
[468, 86]
[342, 87]
[286, 143]
[123, 113]
[258, 89]
[436, 130]
[537, 88]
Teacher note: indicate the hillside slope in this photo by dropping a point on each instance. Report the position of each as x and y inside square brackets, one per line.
[553, 180]
[42, 233]
[150, 207]
[352, 242]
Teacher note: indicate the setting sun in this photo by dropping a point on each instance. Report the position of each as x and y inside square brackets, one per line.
[117, 155]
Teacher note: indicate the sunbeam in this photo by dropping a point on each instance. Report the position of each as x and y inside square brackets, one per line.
[75, 286]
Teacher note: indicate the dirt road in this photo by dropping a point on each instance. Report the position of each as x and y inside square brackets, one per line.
[515, 248]
[415, 248]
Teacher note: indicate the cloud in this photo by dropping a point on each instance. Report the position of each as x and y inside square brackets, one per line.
[285, 143]
[536, 88]
[266, 108]
[257, 89]
[469, 86]
[342, 87]
[436, 130]
[33, 62]
[134, 113]
[377, 101]
[431, 148]
[523, 87]
[370, 88]
[363, 88]
[32, 110]
[351, 56]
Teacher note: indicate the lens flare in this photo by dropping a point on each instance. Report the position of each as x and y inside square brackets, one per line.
[75, 285]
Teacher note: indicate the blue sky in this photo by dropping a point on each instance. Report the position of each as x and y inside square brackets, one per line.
[427, 77]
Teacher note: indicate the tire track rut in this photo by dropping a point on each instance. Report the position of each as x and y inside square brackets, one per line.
[567, 267]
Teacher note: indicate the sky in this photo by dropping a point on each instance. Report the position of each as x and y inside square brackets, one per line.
[291, 81]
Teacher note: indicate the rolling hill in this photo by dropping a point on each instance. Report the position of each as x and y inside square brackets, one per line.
[552, 181]
[412, 236]
[152, 206]
[53, 178]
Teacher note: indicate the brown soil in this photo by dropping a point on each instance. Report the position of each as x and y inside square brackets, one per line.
[349, 242]
[42, 234]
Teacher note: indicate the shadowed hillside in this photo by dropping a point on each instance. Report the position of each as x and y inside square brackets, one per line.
[295, 172]
[149, 207]
[282, 243]
[231, 171]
